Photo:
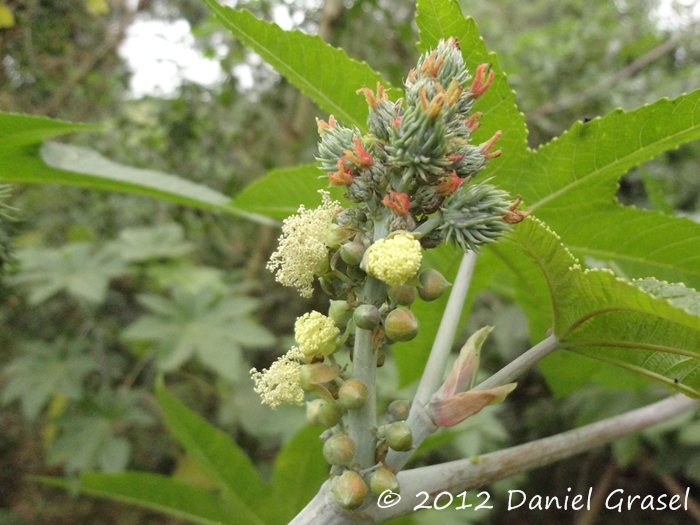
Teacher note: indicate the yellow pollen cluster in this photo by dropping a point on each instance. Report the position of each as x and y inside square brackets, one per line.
[280, 384]
[302, 245]
[394, 260]
[315, 333]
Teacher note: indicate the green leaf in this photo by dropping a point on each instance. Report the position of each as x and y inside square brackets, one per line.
[152, 242]
[441, 19]
[24, 160]
[153, 491]
[280, 192]
[299, 471]
[571, 183]
[219, 458]
[598, 315]
[200, 323]
[44, 370]
[76, 268]
[323, 73]
[676, 294]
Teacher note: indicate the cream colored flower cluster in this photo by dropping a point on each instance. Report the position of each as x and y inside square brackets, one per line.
[302, 245]
[280, 384]
[316, 334]
[394, 260]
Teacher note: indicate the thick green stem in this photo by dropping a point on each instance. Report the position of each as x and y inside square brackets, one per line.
[362, 422]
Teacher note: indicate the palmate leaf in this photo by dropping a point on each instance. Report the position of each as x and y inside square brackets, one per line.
[595, 314]
[325, 74]
[23, 159]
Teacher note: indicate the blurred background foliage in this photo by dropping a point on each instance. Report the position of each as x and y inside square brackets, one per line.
[103, 291]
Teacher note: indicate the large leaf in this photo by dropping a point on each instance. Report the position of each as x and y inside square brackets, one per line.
[598, 315]
[24, 160]
[441, 19]
[219, 458]
[325, 74]
[156, 492]
[571, 184]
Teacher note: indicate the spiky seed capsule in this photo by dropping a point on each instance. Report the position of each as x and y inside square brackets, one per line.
[329, 414]
[367, 317]
[353, 394]
[398, 410]
[349, 490]
[433, 284]
[399, 436]
[382, 480]
[339, 449]
[401, 325]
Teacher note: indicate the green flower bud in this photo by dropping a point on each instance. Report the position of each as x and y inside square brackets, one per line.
[339, 449]
[398, 410]
[323, 266]
[316, 373]
[399, 436]
[329, 414]
[312, 411]
[340, 312]
[353, 394]
[352, 252]
[432, 284]
[403, 294]
[349, 490]
[401, 325]
[383, 479]
[367, 317]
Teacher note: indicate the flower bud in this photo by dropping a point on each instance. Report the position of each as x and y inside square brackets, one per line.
[382, 480]
[339, 449]
[367, 317]
[316, 373]
[353, 394]
[401, 325]
[351, 253]
[398, 410]
[403, 294]
[312, 411]
[349, 490]
[340, 312]
[329, 414]
[399, 436]
[432, 284]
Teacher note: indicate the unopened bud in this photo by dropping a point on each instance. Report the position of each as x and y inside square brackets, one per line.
[382, 480]
[329, 414]
[339, 449]
[367, 317]
[399, 436]
[401, 325]
[403, 294]
[398, 410]
[316, 373]
[340, 312]
[353, 394]
[432, 284]
[351, 253]
[312, 411]
[349, 490]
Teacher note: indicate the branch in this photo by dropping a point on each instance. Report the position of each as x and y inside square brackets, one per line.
[627, 71]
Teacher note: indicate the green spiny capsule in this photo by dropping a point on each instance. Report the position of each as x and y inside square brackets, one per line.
[432, 284]
[367, 317]
[339, 449]
[399, 436]
[398, 410]
[340, 312]
[351, 253]
[401, 325]
[329, 414]
[353, 394]
[382, 480]
[403, 294]
[349, 490]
